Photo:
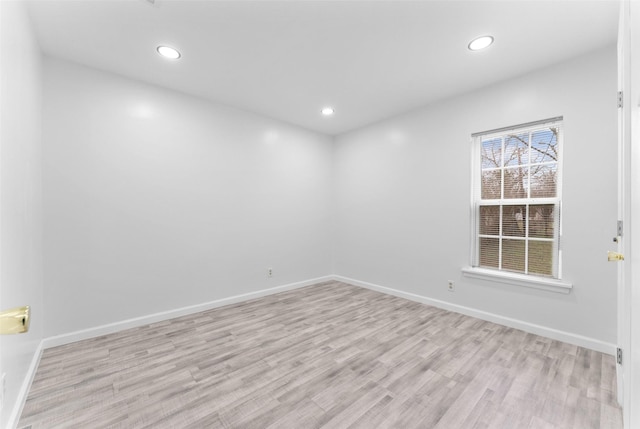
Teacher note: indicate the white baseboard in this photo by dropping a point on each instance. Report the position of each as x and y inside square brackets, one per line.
[544, 331]
[567, 337]
[72, 337]
[24, 389]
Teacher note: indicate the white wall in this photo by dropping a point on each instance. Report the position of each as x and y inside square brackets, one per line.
[20, 194]
[154, 200]
[402, 197]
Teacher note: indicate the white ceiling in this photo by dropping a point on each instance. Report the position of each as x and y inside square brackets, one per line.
[288, 59]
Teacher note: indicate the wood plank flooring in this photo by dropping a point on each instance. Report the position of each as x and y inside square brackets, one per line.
[330, 355]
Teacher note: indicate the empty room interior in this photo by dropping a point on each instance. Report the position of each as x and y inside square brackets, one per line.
[319, 214]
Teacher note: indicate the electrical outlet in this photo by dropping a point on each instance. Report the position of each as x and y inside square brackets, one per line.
[269, 272]
[451, 286]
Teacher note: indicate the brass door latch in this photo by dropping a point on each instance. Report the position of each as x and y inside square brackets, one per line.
[614, 256]
[15, 320]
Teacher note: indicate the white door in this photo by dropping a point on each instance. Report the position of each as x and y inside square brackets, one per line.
[623, 314]
[629, 212]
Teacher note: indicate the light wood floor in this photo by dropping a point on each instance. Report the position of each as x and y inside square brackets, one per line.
[324, 356]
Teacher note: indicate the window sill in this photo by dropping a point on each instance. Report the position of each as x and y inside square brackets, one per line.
[552, 285]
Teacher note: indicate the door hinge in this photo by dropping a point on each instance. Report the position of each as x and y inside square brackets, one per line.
[619, 99]
[619, 355]
[619, 228]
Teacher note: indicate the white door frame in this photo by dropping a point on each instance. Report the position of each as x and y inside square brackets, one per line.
[628, 207]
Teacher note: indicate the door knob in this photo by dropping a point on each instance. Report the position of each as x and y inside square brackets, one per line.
[614, 256]
[15, 320]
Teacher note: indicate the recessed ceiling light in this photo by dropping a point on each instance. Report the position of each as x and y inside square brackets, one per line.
[328, 111]
[168, 52]
[480, 43]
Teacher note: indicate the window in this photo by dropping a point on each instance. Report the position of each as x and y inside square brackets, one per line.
[516, 200]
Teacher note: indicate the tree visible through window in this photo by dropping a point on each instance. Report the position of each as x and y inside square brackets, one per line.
[517, 199]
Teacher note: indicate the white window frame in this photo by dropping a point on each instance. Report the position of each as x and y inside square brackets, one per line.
[553, 283]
